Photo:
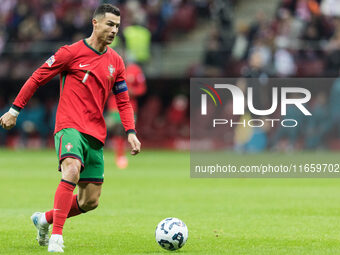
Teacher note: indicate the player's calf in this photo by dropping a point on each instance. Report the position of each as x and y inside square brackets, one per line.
[89, 204]
[89, 194]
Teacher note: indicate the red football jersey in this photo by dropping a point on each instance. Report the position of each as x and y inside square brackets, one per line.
[86, 79]
[135, 81]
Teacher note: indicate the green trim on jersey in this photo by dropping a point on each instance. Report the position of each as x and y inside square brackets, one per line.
[63, 78]
[99, 53]
[70, 143]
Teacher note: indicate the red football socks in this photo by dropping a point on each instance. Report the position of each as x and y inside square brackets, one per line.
[75, 210]
[49, 216]
[62, 205]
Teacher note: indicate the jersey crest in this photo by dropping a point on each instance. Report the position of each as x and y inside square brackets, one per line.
[68, 146]
[111, 70]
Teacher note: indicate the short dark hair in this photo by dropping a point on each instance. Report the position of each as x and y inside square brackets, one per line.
[104, 8]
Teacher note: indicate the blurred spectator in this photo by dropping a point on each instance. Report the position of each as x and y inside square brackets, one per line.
[136, 36]
[284, 63]
[302, 10]
[332, 49]
[241, 44]
[215, 56]
[52, 117]
[249, 139]
[319, 124]
[222, 13]
[158, 16]
[330, 8]
[137, 40]
[288, 29]
[220, 42]
[183, 18]
[289, 138]
[177, 116]
[48, 22]
[334, 106]
[3, 132]
[32, 121]
[256, 70]
[262, 52]
[152, 121]
[258, 28]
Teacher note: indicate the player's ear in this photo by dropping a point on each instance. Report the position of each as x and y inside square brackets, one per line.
[94, 22]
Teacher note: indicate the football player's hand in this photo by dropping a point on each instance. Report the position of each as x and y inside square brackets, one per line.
[134, 143]
[7, 121]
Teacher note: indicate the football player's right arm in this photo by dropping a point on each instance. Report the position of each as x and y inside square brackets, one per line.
[54, 65]
[8, 120]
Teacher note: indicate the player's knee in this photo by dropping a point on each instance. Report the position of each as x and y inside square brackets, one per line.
[71, 169]
[71, 173]
[89, 204]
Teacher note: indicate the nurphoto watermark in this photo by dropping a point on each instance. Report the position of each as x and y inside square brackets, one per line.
[262, 127]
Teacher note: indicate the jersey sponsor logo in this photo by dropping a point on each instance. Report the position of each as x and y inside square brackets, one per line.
[80, 65]
[119, 87]
[68, 147]
[50, 61]
[111, 70]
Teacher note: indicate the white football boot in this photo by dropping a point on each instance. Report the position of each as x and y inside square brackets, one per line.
[56, 243]
[42, 228]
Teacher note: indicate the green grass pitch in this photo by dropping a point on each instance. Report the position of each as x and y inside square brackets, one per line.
[224, 216]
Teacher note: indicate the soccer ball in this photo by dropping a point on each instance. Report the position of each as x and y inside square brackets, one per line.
[171, 234]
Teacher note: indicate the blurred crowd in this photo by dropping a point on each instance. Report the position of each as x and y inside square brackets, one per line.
[302, 38]
[28, 22]
[32, 30]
